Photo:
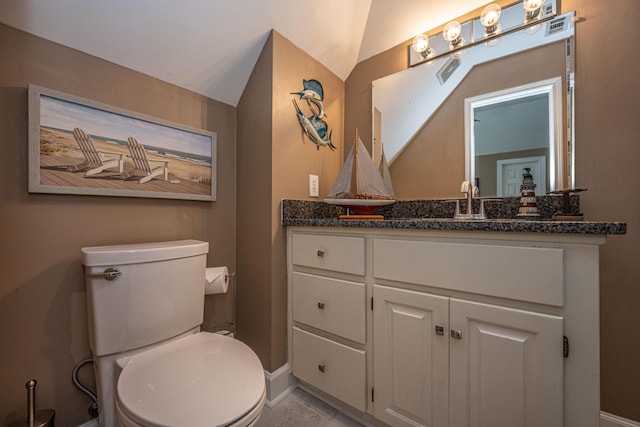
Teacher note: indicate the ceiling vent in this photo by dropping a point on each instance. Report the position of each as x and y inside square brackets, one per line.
[447, 69]
[556, 25]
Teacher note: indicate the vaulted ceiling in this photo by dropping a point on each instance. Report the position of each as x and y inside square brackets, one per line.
[211, 46]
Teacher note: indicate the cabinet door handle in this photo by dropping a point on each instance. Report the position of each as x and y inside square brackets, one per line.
[439, 330]
[456, 334]
[321, 305]
[322, 367]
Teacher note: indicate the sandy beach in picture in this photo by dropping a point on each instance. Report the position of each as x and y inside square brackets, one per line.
[60, 152]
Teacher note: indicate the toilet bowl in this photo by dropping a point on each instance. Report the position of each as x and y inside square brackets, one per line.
[201, 380]
[145, 305]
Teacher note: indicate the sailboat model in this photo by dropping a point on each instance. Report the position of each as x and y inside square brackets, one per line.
[359, 186]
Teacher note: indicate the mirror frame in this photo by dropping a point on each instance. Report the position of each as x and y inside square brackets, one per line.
[551, 87]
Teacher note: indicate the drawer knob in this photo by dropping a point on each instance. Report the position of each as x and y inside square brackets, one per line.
[321, 305]
[320, 253]
[322, 367]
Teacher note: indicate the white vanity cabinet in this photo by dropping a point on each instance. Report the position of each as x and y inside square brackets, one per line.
[451, 328]
[328, 309]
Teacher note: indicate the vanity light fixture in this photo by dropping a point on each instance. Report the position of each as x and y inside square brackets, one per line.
[490, 18]
[421, 45]
[484, 29]
[452, 33]
[532, 9]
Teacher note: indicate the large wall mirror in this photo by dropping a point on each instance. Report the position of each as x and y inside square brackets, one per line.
[459, 116]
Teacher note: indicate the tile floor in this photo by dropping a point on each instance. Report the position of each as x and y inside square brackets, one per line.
[299, 408]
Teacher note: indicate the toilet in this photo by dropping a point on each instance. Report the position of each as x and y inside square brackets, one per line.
[153, 365]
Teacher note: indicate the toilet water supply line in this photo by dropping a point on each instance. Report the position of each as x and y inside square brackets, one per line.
[93, 409]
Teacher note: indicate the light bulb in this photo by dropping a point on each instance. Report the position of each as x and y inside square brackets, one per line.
[420, 43]
[489, 18]
[451, 33]
[532, 8]
[532, 5]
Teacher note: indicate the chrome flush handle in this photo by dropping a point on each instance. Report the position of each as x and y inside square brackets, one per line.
[110, 274]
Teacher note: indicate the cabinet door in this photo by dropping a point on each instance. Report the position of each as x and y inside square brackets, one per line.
[506, 367]
[410, 357]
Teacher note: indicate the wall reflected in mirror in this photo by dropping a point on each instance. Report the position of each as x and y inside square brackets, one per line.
[419, 119]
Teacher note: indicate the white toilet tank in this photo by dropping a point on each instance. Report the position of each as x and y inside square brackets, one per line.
[156, 292]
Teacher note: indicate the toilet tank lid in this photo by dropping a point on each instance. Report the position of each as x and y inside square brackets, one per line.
[142, 252]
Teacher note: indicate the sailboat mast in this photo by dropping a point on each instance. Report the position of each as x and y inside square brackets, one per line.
[355, 160]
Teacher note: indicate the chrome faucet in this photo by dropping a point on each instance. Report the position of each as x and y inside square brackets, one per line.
[470, 191]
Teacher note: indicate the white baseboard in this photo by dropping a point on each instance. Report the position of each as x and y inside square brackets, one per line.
[610, 420]
[279, 384]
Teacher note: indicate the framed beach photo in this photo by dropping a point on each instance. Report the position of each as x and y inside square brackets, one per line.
[79, 146]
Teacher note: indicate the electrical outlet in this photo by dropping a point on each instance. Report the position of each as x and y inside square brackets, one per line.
[314, 190]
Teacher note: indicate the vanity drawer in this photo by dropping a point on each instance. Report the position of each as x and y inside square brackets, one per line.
[331, 367]
[333, 305]
[522, 273]
[335, 253]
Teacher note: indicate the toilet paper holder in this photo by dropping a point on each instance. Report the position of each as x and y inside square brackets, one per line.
[218, 280]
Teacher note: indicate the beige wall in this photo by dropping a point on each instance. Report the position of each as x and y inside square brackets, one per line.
[607, 129]
[42, 329]
[274, 162]
[254, 209]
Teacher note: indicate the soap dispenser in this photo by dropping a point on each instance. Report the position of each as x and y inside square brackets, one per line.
[528, 208]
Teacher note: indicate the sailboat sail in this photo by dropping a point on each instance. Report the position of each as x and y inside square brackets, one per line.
[383, 169]
[358, 178]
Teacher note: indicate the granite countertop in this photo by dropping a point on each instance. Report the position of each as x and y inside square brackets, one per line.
[437, 215]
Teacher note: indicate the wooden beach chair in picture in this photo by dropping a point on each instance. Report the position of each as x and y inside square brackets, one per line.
[142, 164]
[94, 159]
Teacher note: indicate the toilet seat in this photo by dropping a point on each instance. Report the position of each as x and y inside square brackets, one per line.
[203, 379]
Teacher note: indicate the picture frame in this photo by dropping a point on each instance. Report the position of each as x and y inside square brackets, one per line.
[84, 147]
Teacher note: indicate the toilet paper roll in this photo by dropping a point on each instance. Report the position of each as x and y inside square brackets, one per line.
[216, 280]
